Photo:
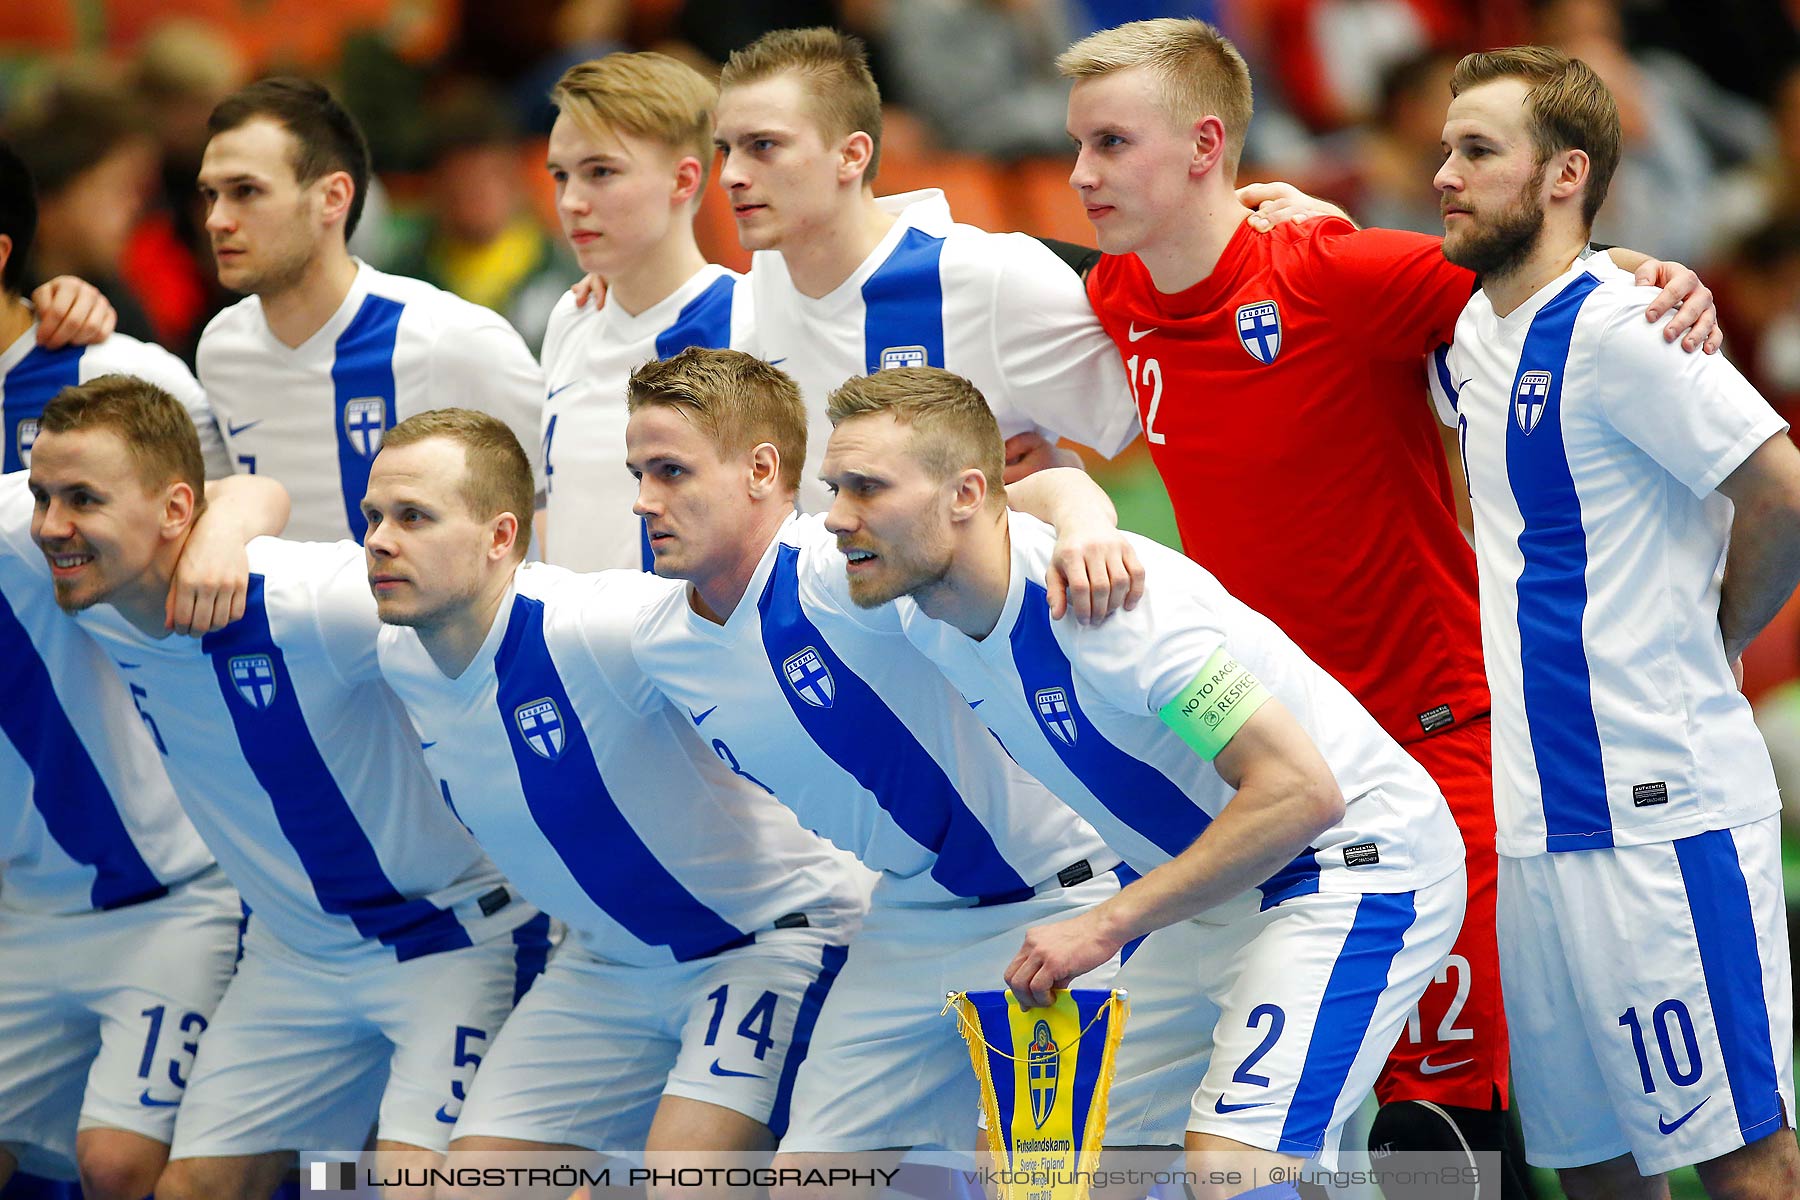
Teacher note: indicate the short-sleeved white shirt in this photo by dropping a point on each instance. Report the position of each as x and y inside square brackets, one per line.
[625, 826]
[589, 354]
[313, 415]
[1593, 450]
[998, 309]
[1077, 706]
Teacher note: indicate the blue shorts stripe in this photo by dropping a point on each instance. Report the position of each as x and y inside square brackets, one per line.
[1731, 961]
[830, 963]
[1351, 995]
[531, 950]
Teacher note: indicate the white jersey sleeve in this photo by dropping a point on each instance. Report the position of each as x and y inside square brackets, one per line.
[310, 790]
[88, 819]
[623, 825]
[30, 377]
[859, 734]
[485, 365]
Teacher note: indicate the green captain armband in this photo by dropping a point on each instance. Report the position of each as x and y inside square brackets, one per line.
[1208, 712]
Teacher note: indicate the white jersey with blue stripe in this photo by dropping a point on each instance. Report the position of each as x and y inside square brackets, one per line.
[297, 765]
[30, 377]
[1077, 706]
[1593, 450]
[88, 819]
[589, 353]
[999, 309]
[313, 415]
[828, 707]
[623, 825]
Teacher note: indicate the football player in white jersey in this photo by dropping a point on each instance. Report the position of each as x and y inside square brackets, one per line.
[384, 950]
[803, 695]
[1637, 522]
[846, 284]
[117, 930]
[325, 352]
[630, 152]
[1302, 876]
[706, 932]
[32, 372]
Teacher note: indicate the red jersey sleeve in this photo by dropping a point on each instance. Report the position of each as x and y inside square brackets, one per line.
[1395, 289]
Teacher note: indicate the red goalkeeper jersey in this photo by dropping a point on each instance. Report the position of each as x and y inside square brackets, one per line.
[1284, 401]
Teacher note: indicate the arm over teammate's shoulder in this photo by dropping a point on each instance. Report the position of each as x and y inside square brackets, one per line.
[1396, 290]
[1060, 368]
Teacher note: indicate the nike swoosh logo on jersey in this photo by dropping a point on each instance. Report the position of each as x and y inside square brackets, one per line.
[149, 1101]
[554, 392]
[699, 717]
[1465, 383]
[978, 703]
[776, 362]
[125, 666]
[1427, 1067]
[1224, 1109]
[234, 430]
[1134, 334]
[1668, 1127]
[426, 745]
[726, 1072]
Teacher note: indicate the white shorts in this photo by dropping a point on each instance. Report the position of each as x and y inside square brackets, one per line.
[592, 1049]
[1649, 998]
[299, 1058]
[1270, 1027]
[100, 1015]
[886, 1069]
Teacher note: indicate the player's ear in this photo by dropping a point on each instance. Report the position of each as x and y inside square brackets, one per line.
[179, 509]
[765, 471]
[1209, 145]
[969, 499]
[857, 151]
[689, 175]
[336, 191]
[1570, 174]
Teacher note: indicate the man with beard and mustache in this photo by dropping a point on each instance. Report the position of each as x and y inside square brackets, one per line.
[1276, 374]
[1637, 523]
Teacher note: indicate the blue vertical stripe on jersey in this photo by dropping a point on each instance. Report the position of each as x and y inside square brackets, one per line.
[569, 800]
[1552, 593]
[1731, 964]
[363, 369]
[1440, 362]
[67, 787]
[860, 733]
[704, 321]
[314, 814]
[531, 950]
[1132, 790]
[30, 385]
[903, 302]
[1357, 980]
[831, 961]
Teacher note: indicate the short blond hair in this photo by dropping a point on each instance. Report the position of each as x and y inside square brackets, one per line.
[1197, 70]
[156, 429]
[645, 94]
[833, 68]
[1566, 105]
[737, 399]
[496, 474]
[953, 427]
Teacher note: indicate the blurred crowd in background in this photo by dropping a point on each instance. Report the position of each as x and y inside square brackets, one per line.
[107, 101]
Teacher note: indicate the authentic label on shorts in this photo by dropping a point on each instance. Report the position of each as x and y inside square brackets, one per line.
[1435, 719]
[1209, 711]
[1363, 854]
[1646, 794]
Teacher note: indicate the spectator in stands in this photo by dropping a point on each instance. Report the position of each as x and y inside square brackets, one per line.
[1767, 189]
[1401, 148]
[479, 237]
[94, 162]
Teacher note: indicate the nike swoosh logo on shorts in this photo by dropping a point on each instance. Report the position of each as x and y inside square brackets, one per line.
[725, 1072]
[699, 717]
[1224, 1109]
[1667, 1127]
[148, 1101]
[1134, 334]
[1427, 1067]
[234, 430]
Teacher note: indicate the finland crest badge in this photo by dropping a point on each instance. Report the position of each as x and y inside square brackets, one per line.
[541, 725]
[806, 672]
[904, 356]
[1052, 704]
[365, 418]
[1259, 329]
[1045, 1076]
[23, 439]
[253, 675]
[1530, 399]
